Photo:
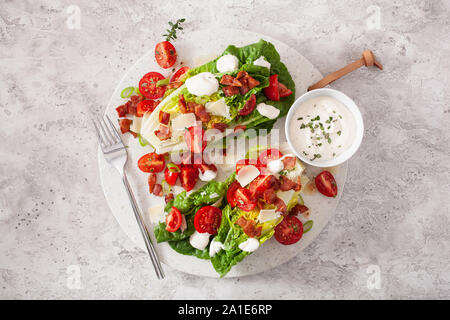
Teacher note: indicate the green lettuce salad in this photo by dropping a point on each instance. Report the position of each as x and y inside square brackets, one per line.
[230, 234]
[246, 56]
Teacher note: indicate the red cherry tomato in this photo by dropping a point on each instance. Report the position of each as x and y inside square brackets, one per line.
[289, 231]
[249, 106]
[148, 88]
[326, 184]
[179, 75]
[207, 219]
[271, 92]
[173, 220]
[146, 106]
[171, 174]
[243, 199]
[165, 54]
[151, 162]
[188, 177]
[231, 192]
[269, 155]
[283, 90]
[195, 139]
[260, 184]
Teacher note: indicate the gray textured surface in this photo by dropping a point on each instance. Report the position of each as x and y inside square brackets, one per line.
[394, 212]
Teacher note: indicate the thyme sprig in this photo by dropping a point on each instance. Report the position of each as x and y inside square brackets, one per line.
[172, 32]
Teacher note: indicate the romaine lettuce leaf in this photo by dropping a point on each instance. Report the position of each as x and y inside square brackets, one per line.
[246, 56]
[184, 247]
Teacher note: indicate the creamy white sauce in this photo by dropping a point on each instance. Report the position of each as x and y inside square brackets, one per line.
[215, 247]
[202, 84]
[227, 63]
[322, 128]
[207, 176]
[262, 62]
[249, 245]
[267, 110]
[275, 166]
[199, 240]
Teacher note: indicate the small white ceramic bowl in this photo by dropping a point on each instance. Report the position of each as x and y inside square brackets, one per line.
[351, 106]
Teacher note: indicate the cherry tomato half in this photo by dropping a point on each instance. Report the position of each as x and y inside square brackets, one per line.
[165, 54]
[269, 155]
[171, 174]
[283, 90]
[271, 92]
[260, 184]
[146, 106]
[179, 75]
[151, 162]
[249, 106]
[173, 220]
[243, 199]
[188, 177]
[326, 184]
[195, 139]
[289, 231]
[148, 88]
[231, 192]
[207, 219]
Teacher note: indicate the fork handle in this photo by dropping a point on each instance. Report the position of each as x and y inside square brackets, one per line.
[148, 242]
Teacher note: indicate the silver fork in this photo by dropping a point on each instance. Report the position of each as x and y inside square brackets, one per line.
[116, 154]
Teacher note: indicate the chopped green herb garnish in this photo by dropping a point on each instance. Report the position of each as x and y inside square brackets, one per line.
[339, 132]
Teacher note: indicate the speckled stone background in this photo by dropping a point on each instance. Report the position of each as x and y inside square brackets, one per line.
[394, 213]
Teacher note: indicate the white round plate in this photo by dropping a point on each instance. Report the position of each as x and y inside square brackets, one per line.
[194, 49]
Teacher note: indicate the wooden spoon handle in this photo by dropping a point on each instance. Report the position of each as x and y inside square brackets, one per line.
[338, 74]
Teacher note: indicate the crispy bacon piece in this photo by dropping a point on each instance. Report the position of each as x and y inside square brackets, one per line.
[260, 204]
[121, 111]
[249, 227]
[241, 75]
[252, 82]
[182, 104]
[220, 126]
[287, 184]
[289, 162]
[299, 209]
[174, 85]
[230, 91]
[132, 104]
[157, 190]
[230, 81]
[163, 132]
[269, 196]
[201, 113]
[247, 81]
[168, 197]
[125, 125]
[164, 117]
[281, 206]
[151, 182]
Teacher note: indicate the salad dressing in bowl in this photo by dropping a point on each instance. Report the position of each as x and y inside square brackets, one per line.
[324, 127]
